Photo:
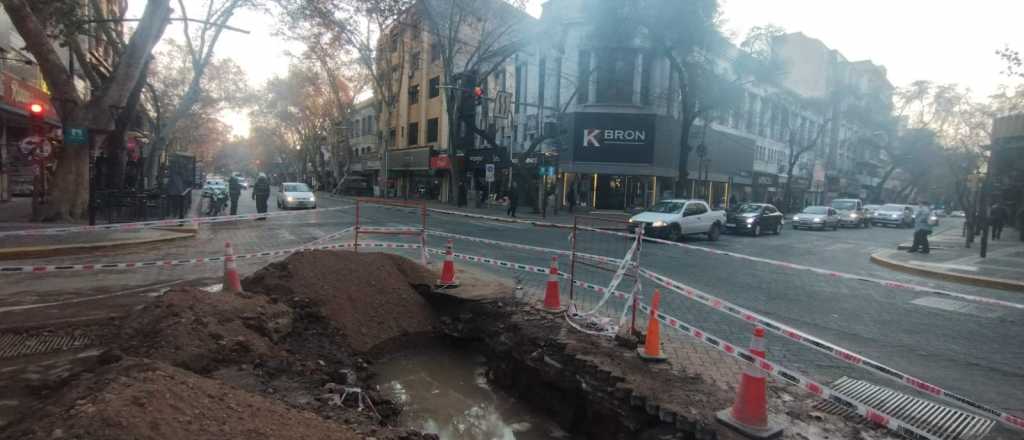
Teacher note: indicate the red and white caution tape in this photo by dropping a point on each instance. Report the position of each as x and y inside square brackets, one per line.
[835, 351]
[189, 261]
[815, 388]
[599, 258]
[161, 223]
[330, 237]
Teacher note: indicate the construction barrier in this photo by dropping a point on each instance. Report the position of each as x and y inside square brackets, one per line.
[162, 223]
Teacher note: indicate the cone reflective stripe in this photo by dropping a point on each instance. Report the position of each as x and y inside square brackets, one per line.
[448, 269]
[552, 298]
[749, 414]
[232, 282]
[651, 350]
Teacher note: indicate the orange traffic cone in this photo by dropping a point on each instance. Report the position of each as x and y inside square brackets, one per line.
[232, 282]
[448, 280]
[749, 414]
[651, 351]
[552, 299]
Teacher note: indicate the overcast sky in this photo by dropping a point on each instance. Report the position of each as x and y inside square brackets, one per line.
[939, 40]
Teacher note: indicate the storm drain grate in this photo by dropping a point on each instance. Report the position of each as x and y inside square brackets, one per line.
[12, 345]
[941, 421]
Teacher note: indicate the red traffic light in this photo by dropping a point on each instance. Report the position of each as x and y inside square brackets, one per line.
[36, 108]
[478, 92]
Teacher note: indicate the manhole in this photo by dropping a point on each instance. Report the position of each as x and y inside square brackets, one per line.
[941, 421]
[12, 345]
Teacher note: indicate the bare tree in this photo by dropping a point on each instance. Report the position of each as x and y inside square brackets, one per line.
[200, 44]
[94, 112]
[800, 141]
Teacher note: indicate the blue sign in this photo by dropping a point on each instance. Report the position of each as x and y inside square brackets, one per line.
[546, 170]
[76, 136]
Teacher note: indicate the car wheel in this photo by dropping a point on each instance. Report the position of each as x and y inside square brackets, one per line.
[674, 233]
[756, 232]
[714, 232]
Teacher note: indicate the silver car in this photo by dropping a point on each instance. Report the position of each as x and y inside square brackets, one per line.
[295, 195]
[892, 214]
[817, 217]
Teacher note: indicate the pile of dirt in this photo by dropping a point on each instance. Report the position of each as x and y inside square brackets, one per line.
[201, 331]
[141, 399]
[371, 297]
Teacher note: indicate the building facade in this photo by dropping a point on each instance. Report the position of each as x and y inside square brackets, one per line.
[365, 155]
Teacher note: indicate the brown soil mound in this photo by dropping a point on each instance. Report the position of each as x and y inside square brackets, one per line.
[144, 400]
[200, 331]
[369, 296]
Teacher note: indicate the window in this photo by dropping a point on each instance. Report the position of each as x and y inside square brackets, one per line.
[584, 77]
[615, 71]
[391, 137]
[414, 133]
[435, 87]
[694, 209]
[431, 130]
[414, 95]
[435, 52]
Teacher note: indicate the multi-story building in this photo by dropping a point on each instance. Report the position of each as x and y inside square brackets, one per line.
[364, 139]
[421, 149]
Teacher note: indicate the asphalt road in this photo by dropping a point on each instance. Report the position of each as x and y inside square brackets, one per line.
[970, 349]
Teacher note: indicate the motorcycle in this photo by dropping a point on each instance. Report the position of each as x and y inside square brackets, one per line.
[218, 203]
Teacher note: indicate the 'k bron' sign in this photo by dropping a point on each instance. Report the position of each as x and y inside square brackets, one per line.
[610, 138]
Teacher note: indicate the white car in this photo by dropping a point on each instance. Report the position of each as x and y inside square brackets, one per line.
[817, 217]
[960, 214]
[213, 185]
[295, 195]
[672, 219]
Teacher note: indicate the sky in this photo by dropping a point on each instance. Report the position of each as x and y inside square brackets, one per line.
[946, 41]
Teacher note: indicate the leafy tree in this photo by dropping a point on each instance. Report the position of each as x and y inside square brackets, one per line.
[1014, 62]
[41, 25]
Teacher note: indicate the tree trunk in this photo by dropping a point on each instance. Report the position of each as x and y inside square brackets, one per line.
[70, 186]
[880, 186]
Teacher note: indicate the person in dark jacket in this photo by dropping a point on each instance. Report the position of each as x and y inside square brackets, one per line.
[261, 193]
[998, 216]
[513, 200]
[234, 191]
[571, 197]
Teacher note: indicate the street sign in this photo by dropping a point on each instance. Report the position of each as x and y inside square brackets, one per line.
[489, 169]
[546, 170]
[76, 136]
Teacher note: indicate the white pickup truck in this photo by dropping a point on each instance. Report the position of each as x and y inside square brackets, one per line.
[672, 219]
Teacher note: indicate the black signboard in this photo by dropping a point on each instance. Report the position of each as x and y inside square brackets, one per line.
[613, 138]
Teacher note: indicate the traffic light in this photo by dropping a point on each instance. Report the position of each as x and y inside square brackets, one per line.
[478, 95]
[36, 111]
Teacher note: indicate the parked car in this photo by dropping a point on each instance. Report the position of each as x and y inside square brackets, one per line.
[892, 214]
[933, 219]
[672, 219]
[851, 213]
[213, 185]
[869, 211]
[295, 195]
[817, 217]
[959, 214]
[939, 213]
[754, 218]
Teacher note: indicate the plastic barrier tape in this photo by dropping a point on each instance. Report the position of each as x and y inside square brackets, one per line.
[793, 377]
[825, 347]
[163, 223]
[602, 259]
[188, 261]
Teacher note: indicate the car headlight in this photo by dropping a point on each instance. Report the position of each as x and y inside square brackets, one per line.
[290, 199]
[750, 220]
[796, 218]
[659, 224]
[853, 215]
[312, 198]
[632, 220]
[816, 220]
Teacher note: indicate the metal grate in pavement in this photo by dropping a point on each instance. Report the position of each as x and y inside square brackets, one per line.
[941, 421]
[12, 345]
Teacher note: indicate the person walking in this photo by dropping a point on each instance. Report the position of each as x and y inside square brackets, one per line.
[998, 216]
[513, 201]
[234, 191]
[261, 193]
[571, 197]
[922, 228]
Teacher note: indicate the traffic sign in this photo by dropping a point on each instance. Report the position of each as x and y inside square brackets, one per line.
[76, 136]
[489, 169]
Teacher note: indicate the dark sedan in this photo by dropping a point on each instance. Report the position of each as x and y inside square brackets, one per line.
[754, 219]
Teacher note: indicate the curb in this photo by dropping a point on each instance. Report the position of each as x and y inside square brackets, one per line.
[993, 283]
[29, 252]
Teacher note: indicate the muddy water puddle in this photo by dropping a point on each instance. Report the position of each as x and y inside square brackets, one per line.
[445, 391]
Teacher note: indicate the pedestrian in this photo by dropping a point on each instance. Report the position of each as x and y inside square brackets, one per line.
[234, 191]
[732, 201]
[261, 193]
[997, 215]
[513, 201]
[571, 197]
[922, 228]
